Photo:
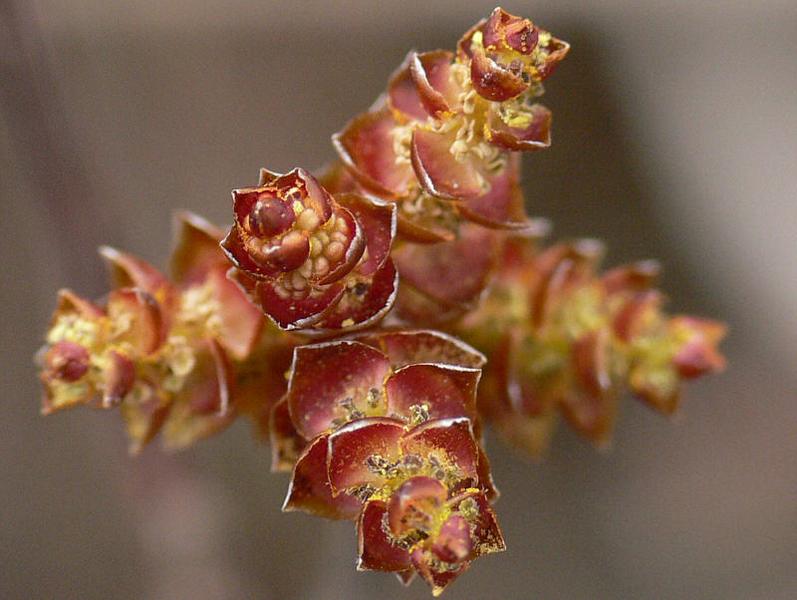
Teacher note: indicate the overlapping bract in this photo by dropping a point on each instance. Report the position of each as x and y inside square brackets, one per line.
[562, 338]
[311, 260]
[173, 355]
[386, 424]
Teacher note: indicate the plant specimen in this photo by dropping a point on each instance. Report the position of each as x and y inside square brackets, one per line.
[370, 319]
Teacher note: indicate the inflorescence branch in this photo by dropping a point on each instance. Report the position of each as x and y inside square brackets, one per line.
[331, 315]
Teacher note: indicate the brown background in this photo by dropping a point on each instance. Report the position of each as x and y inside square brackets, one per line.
[675, 129]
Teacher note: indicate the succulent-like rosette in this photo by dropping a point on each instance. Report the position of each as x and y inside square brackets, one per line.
[422, 528]
[509, 55]
[289, 221]
[168, 352]
[311, 260]
[563, 339]
[440, 142]
[423, 509]
[88, 358]
[363, 418]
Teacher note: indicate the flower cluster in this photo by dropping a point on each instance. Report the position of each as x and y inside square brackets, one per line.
[172, 355]
[419, 223]
[384, 429]
[439, 143]
[442, 145]
[562, 338]
[311, 260]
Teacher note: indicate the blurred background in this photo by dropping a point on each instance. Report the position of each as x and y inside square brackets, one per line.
[675, 138]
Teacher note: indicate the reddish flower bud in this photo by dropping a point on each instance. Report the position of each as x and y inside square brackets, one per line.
[167, 353]
[309, 260]
[508, 54]
[422, 527]
[66, 361]
[344, 392]
[276, 224]
[270, 216]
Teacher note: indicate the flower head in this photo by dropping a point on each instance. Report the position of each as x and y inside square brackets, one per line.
[440, 142]
[168, 352]
[383, 429]
[509, 55]
[423, 528]
[310, 260]
[564, 339]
